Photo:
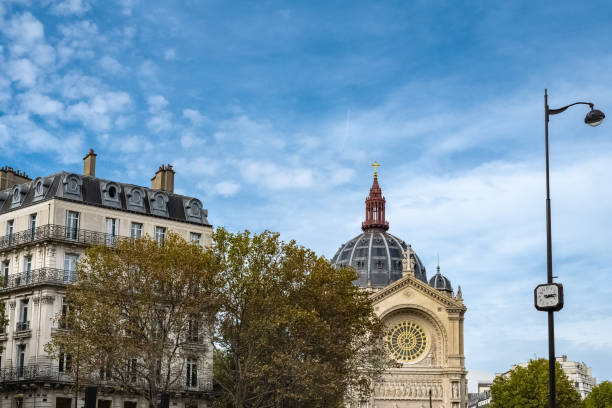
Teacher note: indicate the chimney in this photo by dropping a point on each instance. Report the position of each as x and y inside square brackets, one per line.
[164, 179]
[89, 164]
[10, 177]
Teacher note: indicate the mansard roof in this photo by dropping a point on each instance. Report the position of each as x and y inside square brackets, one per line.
[94, 191]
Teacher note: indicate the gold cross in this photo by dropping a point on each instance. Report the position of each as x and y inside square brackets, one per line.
[375, 165]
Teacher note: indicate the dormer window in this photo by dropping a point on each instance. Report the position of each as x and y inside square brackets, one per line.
[194, 210]
[17, 194]
[72, 186]
[159, 203]
[135, 198]
[110, 194]
[41, 185]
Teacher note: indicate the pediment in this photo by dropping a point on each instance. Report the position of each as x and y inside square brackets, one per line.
[417, 288]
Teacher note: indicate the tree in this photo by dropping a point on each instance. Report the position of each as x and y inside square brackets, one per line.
[528, 388]
[600, 396]
[134, 313]
[292, 331]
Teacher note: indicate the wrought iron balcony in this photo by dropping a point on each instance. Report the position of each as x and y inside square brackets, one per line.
[22, 326]
[38, 276]
[52, 373]
[60, 233]
[33, 373]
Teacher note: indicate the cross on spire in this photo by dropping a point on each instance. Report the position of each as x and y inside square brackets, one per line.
[376, 166]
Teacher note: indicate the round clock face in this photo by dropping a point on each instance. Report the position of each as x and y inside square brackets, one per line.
[406, 341]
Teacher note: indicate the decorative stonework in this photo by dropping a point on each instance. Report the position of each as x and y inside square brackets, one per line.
[409, 390]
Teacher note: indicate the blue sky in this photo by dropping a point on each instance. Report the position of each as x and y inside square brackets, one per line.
[272, 112]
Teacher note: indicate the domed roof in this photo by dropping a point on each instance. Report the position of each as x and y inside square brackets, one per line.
[377, 257]
[440, 282]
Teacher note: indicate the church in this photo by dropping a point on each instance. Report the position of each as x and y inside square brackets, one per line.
[423, 318]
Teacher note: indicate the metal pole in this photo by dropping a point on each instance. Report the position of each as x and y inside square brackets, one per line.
[430, 398]
[551, 319]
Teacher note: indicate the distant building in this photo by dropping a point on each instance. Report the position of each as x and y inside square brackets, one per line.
[482, 398]
[46, 225]
[577, 373]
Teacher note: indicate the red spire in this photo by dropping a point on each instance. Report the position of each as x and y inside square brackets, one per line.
[375, 207]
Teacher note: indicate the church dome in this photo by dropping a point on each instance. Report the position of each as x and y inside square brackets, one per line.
[440, 282]
[375, 254]
[377, 257]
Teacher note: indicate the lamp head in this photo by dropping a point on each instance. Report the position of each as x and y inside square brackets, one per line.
[594, 117]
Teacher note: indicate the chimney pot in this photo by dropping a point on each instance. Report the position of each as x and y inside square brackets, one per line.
[163, 179]
[89, 164]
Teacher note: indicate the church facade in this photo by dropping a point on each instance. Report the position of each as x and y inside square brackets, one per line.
[424, 318]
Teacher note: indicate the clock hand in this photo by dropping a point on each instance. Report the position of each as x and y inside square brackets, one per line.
[551, 295]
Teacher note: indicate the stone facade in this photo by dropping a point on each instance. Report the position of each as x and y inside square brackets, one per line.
[424, 319]
[45, 225]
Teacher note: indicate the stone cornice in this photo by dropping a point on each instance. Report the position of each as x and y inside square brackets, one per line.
[410, 281]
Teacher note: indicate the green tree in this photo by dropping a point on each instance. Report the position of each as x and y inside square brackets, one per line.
[600, 396]
[293, 331]
[527, 387]
[135, 312]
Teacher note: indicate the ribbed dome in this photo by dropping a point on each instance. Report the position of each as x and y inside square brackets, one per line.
[440, 282]
[377, 257]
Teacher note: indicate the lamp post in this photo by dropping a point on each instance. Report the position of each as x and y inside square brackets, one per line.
[549, 297]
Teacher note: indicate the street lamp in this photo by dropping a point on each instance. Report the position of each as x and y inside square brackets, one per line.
[549, 297]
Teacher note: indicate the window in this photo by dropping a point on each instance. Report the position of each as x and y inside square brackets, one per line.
[32, 226]
[160, 235]
[5, 273]
[192, 372]
[72, 225]
[112, 230]
[10, 229]
[193, 331]
[21, 349]
[136, 230]
[62, 323]
[65, 362]
[27, 269]
[70, 261]
[23, 323]
[195, 238]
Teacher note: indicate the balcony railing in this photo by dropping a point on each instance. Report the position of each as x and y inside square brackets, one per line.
[58, 233]
[38, 276]
[22, 326]
[50, 373]
[33, 372]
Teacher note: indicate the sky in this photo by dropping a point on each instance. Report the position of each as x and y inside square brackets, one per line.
[272, 112]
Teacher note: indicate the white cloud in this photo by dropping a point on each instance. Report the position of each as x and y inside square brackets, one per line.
[194, 116]
[190, 139]
[274, 177]
[160, 123]
[132, 144]
[68, 7]
[97, 113]
[127, 6]
[111, 65]
[78, 40]
[23, 71]
[227, 188]
[24, 30]
[156, 103]
[39, 104]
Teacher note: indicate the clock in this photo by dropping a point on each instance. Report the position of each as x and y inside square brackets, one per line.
[406, 341]
[548, 297]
